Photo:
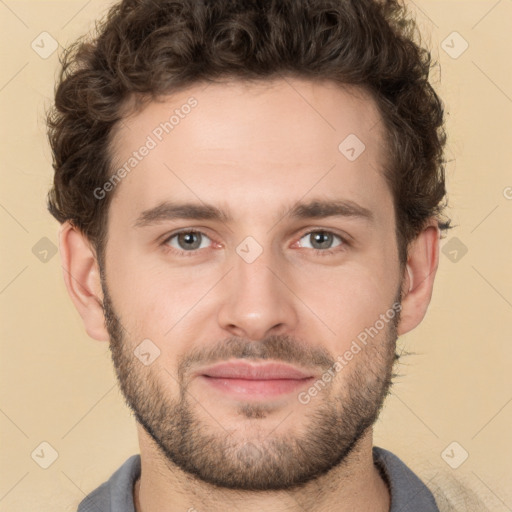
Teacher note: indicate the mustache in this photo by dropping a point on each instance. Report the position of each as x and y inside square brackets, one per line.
[282, 348]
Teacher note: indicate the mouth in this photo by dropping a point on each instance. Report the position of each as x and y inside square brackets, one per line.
[258, 381]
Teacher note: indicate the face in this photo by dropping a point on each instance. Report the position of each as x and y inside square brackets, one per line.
[251, 279]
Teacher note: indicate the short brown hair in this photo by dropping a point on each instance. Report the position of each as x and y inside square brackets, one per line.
[146, 49]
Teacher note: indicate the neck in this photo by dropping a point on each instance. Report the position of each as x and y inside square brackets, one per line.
[355, 485]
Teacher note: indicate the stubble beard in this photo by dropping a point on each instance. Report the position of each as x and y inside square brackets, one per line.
[312, 440]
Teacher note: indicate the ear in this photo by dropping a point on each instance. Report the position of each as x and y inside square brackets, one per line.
[418, 279]
[82, 278]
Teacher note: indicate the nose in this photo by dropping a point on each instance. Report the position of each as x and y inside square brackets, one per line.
[257, 299]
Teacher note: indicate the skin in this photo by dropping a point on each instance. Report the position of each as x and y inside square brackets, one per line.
[253, 150]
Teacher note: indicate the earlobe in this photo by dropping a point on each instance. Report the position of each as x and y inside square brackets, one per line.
[422, 263]
[82, 279]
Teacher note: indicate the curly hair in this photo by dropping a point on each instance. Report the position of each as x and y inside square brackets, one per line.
[146, 49]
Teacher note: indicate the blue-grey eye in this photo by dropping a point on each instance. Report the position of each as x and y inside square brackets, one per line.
[188, 240]
[321, 239]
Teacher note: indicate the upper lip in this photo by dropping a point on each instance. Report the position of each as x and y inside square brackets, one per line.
[261, 371]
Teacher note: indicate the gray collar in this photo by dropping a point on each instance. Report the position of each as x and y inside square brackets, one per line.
[408, 492]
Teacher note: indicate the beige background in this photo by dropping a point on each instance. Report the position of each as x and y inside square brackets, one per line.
[58, 385]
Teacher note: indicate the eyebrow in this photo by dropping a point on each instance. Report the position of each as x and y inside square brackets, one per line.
[315, 209]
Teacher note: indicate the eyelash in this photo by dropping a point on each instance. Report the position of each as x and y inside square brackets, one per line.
[318, 252]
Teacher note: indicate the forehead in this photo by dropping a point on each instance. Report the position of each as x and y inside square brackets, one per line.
[252, 145]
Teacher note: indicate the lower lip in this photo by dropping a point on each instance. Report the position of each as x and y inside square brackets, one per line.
[256, 388]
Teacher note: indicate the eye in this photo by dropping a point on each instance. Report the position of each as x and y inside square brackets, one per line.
[187, 241]
[321, 241]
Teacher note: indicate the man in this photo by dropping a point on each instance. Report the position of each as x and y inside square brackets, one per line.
[250, 196]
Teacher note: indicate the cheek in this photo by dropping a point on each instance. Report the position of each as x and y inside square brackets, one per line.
[176, 310]
[158, 304]
[346, 299]
[150, 298]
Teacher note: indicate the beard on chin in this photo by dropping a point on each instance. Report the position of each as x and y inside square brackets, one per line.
[191, 437]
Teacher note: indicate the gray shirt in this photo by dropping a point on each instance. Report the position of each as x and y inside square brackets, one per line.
[408, 492]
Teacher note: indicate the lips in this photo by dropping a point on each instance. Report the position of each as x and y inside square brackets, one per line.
[247, 371]
[243, 380]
